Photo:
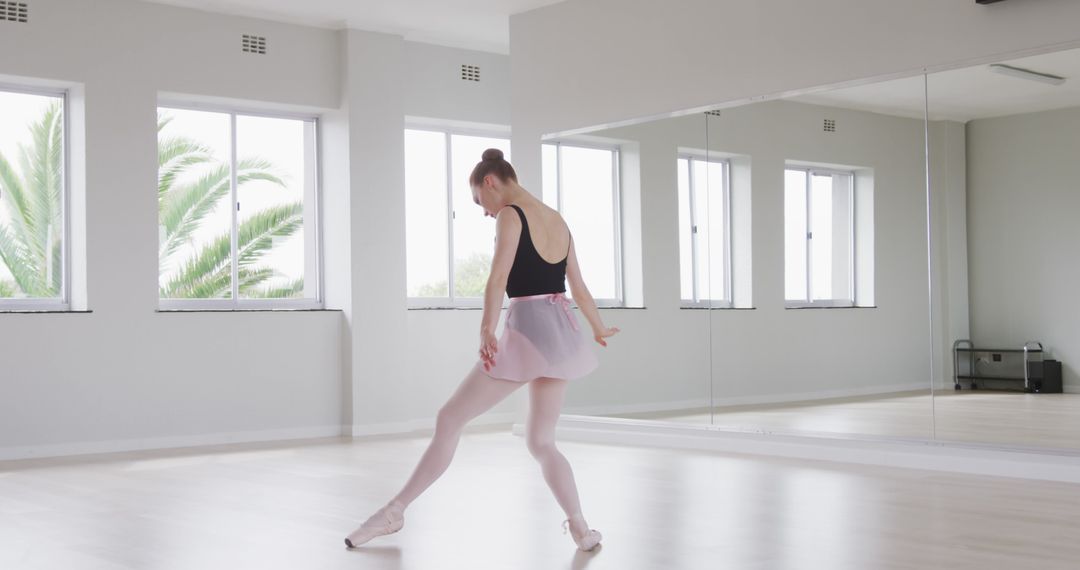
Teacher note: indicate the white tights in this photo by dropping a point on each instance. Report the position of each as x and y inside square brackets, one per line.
[477, 393]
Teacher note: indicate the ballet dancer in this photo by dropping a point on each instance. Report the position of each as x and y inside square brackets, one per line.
[541, 345]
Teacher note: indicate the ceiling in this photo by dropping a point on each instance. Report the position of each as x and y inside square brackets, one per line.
[966, 94]
[472, 24]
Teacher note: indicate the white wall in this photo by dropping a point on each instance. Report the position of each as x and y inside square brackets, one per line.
[124, 376]
[1023, 202]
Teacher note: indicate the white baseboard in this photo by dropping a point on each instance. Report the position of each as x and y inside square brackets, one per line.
[121, 445]
[1046, 465]
[202, 440]
[788, 398]
[426, 424]
[604, 410]
[703, 403]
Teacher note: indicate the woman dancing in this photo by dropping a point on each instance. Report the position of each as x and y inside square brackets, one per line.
[540, 345]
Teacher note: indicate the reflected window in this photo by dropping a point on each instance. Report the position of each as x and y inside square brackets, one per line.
[704, 231]
[237, 214]
[33, 236]
[819, 237]
[582, 183]
[449, 243]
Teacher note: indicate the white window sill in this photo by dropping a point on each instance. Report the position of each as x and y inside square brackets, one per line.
[707, 307]
[36, 305]
[824, 305]
[211, 306]
[38, 311]
[416, 304]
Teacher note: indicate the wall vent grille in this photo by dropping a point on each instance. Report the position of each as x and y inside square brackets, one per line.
[254, 44]
[830, 125]
[470, 72]
[14, 12]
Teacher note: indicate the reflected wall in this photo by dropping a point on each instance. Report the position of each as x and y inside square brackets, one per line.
[1009, 219]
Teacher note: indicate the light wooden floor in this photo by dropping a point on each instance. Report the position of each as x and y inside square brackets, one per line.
[289, 506]
[1011, 418]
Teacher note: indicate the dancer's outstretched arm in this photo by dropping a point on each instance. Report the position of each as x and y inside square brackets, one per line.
[585, 300]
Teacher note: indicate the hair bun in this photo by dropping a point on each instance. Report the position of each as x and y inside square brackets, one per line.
[493, 154]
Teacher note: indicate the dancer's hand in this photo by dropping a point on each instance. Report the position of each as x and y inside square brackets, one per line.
[489, 345]
[600, 334]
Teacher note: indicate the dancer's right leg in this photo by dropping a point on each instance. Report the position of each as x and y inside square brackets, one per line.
[476, 394]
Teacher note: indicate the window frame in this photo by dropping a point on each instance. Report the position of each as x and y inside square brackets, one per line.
[825, 303]
[313, 248]
[451, 301]
[63, 302]
[698, 302]
[616, 182]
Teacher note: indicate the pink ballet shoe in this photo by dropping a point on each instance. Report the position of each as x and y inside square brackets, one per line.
[589, 541]
[386, 520]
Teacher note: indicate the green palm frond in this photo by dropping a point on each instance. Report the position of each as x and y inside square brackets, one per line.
[41, 166]
[176, 155]
[19, 261]
[290, 290]
[207, 274]
[253, 277]
[30, 244]
[256, 235]
[11, 187]
[205, 267]
[183, 207]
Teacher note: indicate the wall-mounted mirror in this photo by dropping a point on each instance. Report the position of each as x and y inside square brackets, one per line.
[618, 190]
[825, 220]
[835, 264]
[1007, 203]
[783, 246]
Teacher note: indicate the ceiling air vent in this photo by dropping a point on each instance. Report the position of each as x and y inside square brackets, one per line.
[254, 44]
[470, 72]
[14, 11]
[830, 125]
[714, 113]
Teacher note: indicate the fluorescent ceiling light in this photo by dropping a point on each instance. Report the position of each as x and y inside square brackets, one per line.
[1026, 74]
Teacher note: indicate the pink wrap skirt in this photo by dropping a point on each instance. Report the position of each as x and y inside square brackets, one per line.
[541, 338]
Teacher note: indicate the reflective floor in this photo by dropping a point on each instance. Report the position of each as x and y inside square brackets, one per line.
[288, 506]
[1011, 418]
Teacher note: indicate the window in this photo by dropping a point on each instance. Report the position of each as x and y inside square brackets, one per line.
[34, 256]
[237, 211]
[582, 182]
[819, 237]
[705, 231]
[449, 243]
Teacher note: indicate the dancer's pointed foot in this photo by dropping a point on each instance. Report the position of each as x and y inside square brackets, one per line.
[586, 538]
[386, 520]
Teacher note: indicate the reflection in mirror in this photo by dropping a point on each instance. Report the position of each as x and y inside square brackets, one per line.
[618, 189]
[825, 326]
[1007, 208]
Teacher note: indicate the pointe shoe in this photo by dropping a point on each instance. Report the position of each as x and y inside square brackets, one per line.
[589, 541]
[386, 520]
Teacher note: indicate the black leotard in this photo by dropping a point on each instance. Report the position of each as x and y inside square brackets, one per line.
[531, 274]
